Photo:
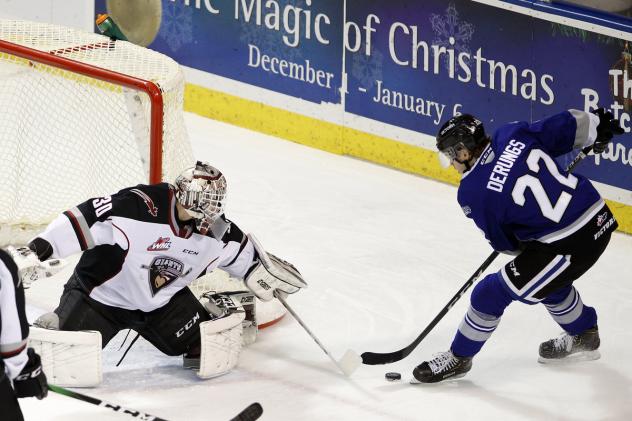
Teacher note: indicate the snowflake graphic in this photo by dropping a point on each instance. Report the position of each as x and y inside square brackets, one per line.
[450, 32]
[177, 25]
[367, 69]
[269, 40]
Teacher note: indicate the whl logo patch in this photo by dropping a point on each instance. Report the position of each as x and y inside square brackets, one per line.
[160, 244]
[162, 272]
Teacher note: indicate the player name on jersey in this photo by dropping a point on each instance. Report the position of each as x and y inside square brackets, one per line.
[504, 164]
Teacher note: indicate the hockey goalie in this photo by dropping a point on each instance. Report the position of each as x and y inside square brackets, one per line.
[140, 248]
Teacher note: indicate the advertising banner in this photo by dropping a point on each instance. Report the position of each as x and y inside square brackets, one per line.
[419, 63]
[412, 64]
[290, 47]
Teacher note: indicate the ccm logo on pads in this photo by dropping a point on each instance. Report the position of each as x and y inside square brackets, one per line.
[188, 325]
[263, 284]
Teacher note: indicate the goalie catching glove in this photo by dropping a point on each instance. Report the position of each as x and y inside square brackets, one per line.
[272, 274]
[30, 269]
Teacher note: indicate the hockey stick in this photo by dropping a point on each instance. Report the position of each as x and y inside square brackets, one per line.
[375, 358]
[349, 362]
[251, 413]
[98, 402]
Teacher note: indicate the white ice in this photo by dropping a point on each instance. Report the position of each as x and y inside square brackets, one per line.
[383, 252]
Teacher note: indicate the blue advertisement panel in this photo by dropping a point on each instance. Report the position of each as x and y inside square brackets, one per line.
[415, 64]
[590, 70]
[410, 64]
[291, 47]
[429, 60]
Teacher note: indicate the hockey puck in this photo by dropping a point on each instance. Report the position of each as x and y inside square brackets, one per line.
[391, 377]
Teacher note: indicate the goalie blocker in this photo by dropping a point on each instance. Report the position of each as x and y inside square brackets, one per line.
[272, 274]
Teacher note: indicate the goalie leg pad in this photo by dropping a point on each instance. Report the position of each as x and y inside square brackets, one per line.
[69, 359]
[223, 303]
[236, 301]
[247, 301]
[221, 345]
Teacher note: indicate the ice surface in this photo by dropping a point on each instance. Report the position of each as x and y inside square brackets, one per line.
[383, 252]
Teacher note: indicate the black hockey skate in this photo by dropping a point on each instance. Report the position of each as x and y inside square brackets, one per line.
[444, 365]
[582, 347]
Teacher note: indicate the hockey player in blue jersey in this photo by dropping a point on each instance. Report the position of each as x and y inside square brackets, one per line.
[555, 223]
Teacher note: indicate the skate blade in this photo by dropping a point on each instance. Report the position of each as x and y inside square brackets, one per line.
[573, 358]
[446, 380]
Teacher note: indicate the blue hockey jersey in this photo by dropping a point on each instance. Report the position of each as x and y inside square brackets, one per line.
[517, 192]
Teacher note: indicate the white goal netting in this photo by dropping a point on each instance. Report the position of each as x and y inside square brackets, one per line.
[71, 130]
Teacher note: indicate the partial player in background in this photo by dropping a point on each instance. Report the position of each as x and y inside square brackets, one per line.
[141, 247]
[19, 364]
[555, 223]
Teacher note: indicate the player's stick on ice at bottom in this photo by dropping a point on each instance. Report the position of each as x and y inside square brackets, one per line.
[98, 402]
[347, 364]
[251, 413]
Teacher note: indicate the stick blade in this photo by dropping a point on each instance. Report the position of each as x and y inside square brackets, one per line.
[251, 413]
[375, 358]
[350, 362]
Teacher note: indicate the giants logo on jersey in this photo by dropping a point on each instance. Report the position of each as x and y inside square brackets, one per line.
[162, 272]
[160, 244]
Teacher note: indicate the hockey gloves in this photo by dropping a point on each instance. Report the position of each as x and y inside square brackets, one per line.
[30, 268]
[31, 381]
[607, 128]
[270, 275]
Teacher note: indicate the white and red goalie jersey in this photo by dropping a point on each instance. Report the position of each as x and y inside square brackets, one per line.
[137, 254]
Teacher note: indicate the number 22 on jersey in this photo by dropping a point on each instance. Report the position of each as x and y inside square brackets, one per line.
[554, 212]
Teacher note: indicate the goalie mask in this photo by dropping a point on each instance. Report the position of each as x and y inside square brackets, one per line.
[201, 190]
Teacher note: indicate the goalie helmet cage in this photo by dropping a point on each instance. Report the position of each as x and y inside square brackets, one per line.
[82, 116]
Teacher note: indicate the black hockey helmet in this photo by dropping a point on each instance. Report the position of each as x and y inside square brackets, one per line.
[462, 131]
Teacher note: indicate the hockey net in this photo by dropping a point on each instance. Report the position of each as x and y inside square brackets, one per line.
[84, 116]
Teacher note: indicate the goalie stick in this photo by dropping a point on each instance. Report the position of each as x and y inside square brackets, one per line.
[349, 362]
[376, 358]
[98, 402]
